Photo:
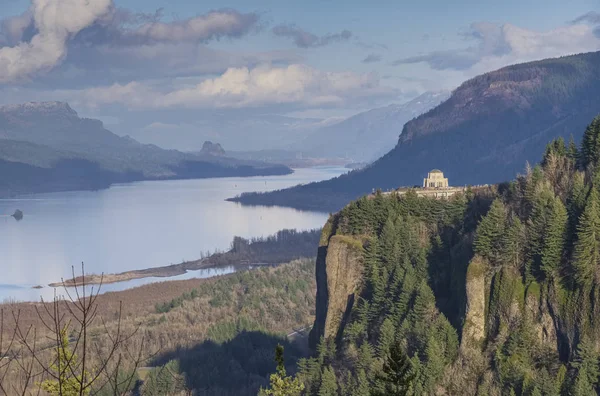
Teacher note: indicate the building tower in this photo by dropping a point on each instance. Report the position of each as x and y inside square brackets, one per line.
[435, 179]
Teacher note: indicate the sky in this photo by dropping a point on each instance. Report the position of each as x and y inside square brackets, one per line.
[159, 60]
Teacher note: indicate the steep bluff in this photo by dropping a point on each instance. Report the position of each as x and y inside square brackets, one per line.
[339, 272]
[494, 291]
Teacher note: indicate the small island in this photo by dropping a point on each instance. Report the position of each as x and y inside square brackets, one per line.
[18, 215]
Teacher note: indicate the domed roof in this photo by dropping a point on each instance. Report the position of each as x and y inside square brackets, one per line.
[436, 171]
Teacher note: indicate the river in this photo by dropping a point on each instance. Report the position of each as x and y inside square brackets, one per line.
[135, 226]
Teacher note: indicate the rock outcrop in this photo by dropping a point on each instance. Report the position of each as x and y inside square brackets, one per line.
[339, 272]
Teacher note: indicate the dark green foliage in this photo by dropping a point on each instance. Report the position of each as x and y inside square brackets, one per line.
[590, 145]
[587, 246]
[533, 252]
[397, 374]
[488, 241]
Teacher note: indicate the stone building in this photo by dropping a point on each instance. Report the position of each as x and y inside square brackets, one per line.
[435, 179]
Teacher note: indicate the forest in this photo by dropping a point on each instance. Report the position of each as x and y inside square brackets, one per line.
[492, 292]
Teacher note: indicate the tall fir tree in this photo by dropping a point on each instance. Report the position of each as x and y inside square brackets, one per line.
[397, 373]
[490, 231]
[329, 386]
[555, 239]
[587, 246]
[590, 145]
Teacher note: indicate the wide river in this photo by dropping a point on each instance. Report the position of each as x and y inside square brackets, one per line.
[136, 226]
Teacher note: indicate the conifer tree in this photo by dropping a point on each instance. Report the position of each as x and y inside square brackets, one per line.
[282, 384]
[490, 231]
[387, 333]
[363, 388]
[512, 242]
[388, 243]
[68, 382]
[554, 240]
[586, 370]
[572, 152]
[590, 145]
[397, 373]
[329, 386]
[587, 246]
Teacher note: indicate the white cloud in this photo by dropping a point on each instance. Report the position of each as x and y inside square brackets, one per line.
[295, 85]
[212, 25]
[55, 22]
[41, 38]
[499, 46]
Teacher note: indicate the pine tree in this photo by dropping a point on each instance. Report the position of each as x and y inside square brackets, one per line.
[387, 333]
[388, 243]
[280, 383]
[490, 231]
[586, 369]
[363, 388]
[397, 373]
[572, 152]
[67, 382]
[590, 145]
[587, 246]
[512, 243]
[329, 386]
[555, 239]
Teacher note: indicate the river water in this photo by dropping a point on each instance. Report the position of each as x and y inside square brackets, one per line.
[136, 226]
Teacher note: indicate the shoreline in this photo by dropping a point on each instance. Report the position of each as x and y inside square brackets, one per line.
[283, 247]
[166, 271]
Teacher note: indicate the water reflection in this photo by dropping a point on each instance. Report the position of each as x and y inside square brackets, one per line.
[136, 226]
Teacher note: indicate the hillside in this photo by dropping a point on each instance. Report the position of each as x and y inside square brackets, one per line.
[494, 292]
[43, 141]
[484, 133]
[379, 127]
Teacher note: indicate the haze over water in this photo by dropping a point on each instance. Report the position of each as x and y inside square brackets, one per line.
[136, 226]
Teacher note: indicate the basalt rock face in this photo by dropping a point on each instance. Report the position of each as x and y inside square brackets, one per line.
[491, 291]
[339, 273]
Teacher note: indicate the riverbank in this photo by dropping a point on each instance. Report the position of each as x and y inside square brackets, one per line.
[285, 246]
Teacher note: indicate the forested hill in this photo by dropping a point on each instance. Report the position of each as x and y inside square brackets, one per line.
[484, 133]
[47, 147]
[492, 292]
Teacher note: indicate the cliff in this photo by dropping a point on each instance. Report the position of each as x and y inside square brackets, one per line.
[494, 291]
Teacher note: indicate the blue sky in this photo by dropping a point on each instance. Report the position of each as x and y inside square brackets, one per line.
[311, 58]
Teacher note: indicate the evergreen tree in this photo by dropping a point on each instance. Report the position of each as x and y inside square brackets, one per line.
[490, 231]
[590, 145]
[387, 333]
[586, 370]
[512, 242]
[329, 386]
[388, 243]
[554, 240]
[572, 152]
[363, 388]
[397, 373]
[68, 381]
[587, 246]
[280, 383]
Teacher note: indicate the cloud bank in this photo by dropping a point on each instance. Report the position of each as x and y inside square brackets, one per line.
[304, 39]
[298, 86]
[497, 46]
[40, 39]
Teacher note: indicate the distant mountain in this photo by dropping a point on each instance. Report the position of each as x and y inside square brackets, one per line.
[48, 147]
[245, 131]
[485, 133]
[379, 127]
[210, 148]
